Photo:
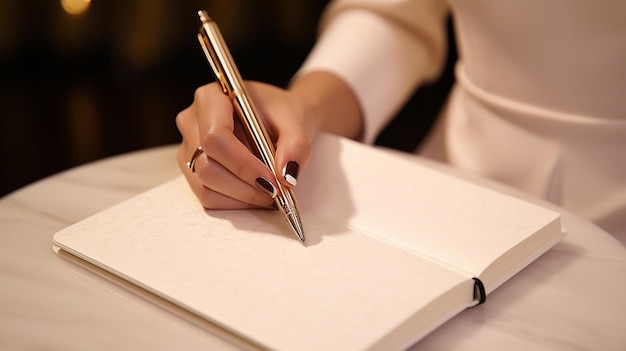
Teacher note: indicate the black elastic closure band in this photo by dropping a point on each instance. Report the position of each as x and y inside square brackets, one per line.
[480, 296]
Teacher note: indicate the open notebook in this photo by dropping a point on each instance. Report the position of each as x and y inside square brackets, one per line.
[393, 252]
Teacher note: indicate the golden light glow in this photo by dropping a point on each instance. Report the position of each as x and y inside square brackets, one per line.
[75, 7]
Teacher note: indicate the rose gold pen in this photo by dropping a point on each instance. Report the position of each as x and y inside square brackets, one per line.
[227, 74]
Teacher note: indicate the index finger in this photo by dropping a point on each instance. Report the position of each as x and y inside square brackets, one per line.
[219, 140]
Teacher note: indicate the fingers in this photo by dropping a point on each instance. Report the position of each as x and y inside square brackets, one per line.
[226, 174]
[211, 182]
[293, 153]
[217, 127]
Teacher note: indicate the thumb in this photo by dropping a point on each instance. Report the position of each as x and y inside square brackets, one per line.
[293, 152]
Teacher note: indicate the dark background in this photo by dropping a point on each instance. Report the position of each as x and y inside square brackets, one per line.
[76, 88]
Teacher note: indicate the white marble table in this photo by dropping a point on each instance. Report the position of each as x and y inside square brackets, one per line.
[572, 298]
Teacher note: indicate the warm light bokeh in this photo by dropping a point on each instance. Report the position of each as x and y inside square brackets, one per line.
[110, 76]
[75, 7]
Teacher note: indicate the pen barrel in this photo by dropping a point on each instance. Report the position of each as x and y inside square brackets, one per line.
[227, 74]
[221, 61]
[258, 137]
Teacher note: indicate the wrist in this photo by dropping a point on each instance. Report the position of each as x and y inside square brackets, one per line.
[329, 103]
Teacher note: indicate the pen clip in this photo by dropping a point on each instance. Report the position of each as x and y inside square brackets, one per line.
[204, 42]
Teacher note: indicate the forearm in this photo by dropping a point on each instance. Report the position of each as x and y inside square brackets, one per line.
[331, 102]
[381, 52]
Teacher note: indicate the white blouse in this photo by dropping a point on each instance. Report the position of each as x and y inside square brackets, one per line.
[540, 94]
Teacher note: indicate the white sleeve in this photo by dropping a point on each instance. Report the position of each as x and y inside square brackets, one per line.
[383, 49]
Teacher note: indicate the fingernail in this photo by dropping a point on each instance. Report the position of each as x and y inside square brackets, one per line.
[290, 172]
[265, 186]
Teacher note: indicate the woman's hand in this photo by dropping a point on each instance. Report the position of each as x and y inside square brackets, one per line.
[227, 175]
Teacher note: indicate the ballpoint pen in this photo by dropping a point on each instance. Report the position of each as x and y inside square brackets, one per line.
[227, 74]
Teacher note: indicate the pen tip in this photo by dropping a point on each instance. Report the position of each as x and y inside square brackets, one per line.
[300, 232]
[296, 225]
